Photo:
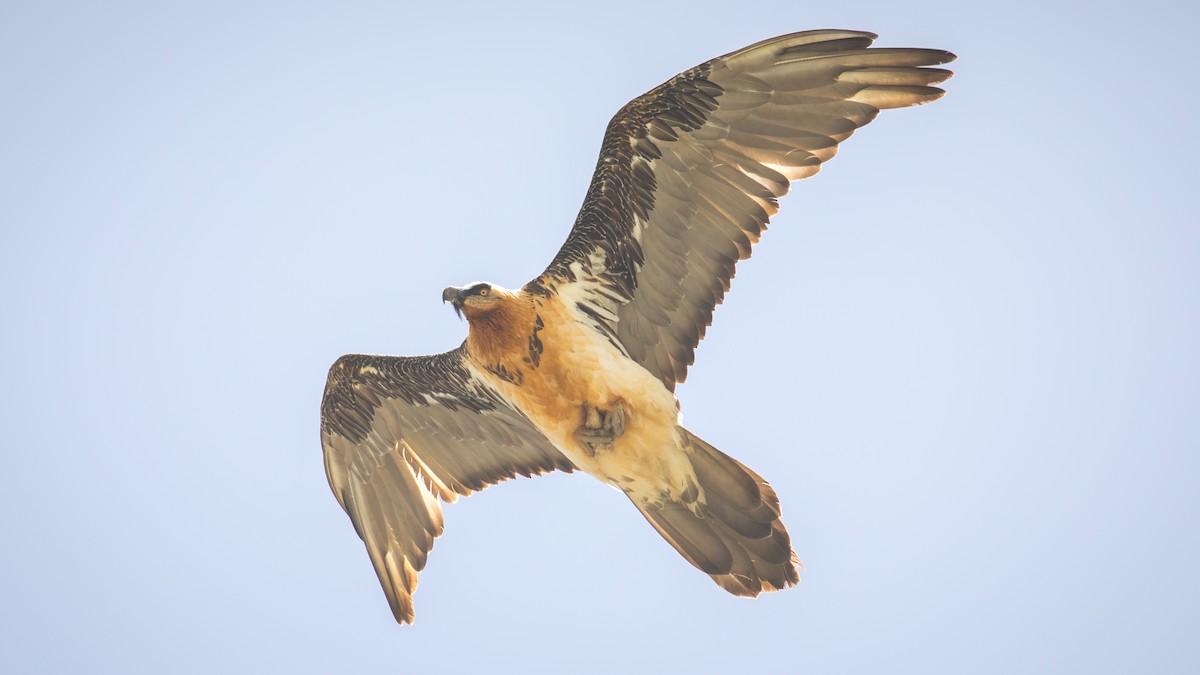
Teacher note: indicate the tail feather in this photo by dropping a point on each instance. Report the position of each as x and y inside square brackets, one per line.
[725, 477]
[732, 530]
[695, 538]
[744, 524]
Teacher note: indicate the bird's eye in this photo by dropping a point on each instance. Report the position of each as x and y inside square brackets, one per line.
[484, 291]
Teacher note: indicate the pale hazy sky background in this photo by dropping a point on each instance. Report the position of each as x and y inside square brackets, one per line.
[965, 354]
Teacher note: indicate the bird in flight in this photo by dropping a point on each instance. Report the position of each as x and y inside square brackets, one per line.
[576, 370]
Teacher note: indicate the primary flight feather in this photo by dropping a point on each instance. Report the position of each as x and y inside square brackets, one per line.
[576, 370]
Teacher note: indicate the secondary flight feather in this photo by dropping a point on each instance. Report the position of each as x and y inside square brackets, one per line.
[576, 370]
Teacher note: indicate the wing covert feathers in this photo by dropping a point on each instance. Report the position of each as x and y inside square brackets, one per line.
[400, 432]
[690, 173]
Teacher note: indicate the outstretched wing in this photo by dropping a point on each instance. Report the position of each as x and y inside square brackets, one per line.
[399, 432]
[690, 173]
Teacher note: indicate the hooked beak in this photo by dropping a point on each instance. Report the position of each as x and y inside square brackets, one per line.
[453, 295]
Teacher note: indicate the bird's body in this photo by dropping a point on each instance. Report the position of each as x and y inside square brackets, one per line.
[577, 368]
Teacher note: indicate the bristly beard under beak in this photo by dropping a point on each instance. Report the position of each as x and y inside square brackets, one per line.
[453, 296]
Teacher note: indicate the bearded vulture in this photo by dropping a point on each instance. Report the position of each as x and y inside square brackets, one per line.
[576, 370]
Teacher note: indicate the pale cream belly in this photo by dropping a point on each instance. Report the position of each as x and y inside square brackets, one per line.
[578, 366]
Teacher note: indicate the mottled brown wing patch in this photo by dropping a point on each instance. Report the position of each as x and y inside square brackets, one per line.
[690, 173]
[400, 432]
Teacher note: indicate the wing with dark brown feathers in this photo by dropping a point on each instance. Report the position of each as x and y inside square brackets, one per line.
[690, 173]
[400, 432]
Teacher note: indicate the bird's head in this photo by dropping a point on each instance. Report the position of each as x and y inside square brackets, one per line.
[474, 299]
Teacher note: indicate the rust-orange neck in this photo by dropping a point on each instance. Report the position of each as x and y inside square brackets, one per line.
[500, 334]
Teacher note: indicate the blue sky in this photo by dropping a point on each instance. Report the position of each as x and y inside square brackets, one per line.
[964, 354]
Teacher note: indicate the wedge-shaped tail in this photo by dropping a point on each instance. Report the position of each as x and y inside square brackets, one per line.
[732, 530]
